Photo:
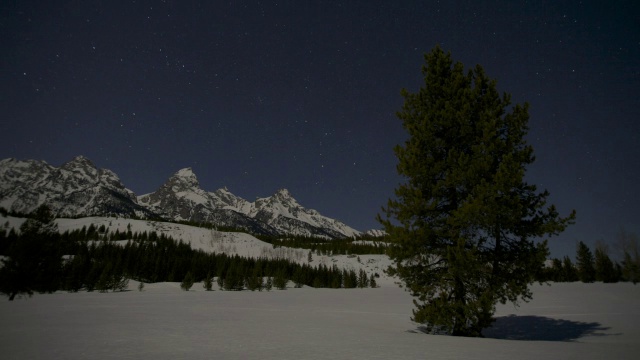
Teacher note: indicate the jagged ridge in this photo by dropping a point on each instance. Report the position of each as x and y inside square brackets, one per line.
[79, 188]
[181, 198]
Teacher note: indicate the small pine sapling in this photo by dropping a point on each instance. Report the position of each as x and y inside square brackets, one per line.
[187, 282]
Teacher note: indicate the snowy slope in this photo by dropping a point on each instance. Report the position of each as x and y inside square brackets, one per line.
[230, 243]
[283, 212]
[181, 198]
[76, 188]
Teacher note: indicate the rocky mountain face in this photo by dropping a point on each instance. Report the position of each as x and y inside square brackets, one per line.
[181, 198]
[78, 188]
[284, 213]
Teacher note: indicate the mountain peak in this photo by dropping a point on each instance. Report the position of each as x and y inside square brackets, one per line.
[284, 197]
[77, 188]
[186, 177]
[186, 172]
[79, 161]
[284, 193]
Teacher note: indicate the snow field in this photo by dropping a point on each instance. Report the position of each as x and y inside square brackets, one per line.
[563, 321]
[163, 322]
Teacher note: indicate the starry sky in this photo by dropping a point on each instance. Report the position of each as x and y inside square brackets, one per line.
[261, 95]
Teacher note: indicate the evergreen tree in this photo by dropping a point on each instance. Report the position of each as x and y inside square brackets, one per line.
[631, 268]
[298, 278]
[280, 280]
[187, 282]
[254, 280]
[268, 284]
[336, 277]
[347, 281]
[585, 263]
[630, 247]
[604, 267]
[234, 278]
[463, 224]
[363, 280]
[35, 261]
[8, 241]
[220, 274]
[120, 282]
[105, 281]
[74, 273]
[556, 271]
[208, 282]
[569, 272]
[93, 275]
[372, 281]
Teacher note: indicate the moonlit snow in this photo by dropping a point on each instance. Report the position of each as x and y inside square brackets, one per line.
[563, 321]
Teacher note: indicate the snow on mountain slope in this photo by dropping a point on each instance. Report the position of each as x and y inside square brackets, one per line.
[375, 233]
[227, 200]
[230, 243]
[181, 198]
[77, 188]
[284, 213]
[15, 172]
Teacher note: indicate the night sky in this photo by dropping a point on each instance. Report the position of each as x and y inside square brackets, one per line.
[258, 96]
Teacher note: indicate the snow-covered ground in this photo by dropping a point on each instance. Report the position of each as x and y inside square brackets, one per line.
[564, 321]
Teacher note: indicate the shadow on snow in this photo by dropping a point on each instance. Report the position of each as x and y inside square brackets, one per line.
[537, 328]
[542, 328]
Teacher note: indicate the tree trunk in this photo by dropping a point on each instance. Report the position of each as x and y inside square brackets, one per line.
[460, 321]
[497, 252]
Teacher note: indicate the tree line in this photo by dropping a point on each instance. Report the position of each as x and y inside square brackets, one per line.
[323, 246]
[40, 259]
[596, 266]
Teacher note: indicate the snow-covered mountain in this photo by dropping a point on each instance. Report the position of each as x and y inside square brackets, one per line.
[78, 188]
[181, 198]
[284, 213]
[375, 233]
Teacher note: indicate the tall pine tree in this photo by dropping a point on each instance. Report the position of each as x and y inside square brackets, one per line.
[604, 268]
[464, 222]
[35, 259]
[585, 263]
[569, 272]
[630, 246]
